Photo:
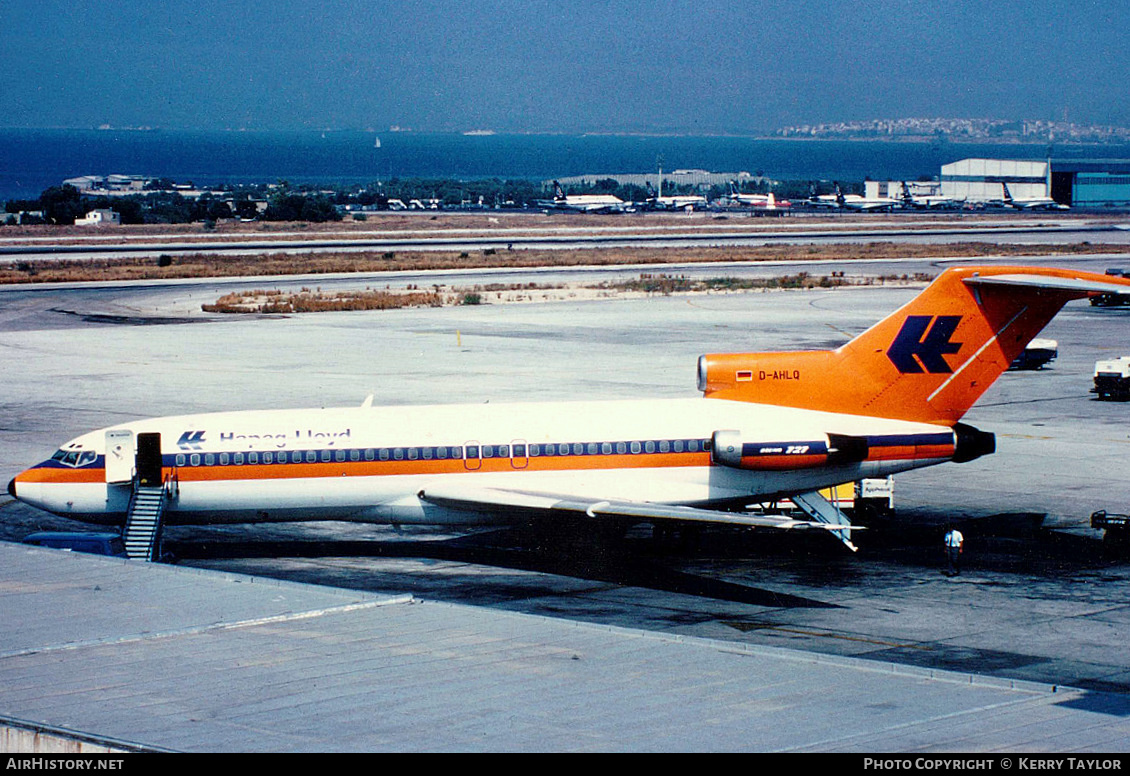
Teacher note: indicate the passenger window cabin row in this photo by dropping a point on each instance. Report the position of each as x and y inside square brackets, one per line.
[445, 452]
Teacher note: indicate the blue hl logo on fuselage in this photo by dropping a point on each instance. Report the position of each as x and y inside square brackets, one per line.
[923, 342]
[191, 440]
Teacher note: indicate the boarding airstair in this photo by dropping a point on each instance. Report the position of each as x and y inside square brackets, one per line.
[144, 520]
[823, 511]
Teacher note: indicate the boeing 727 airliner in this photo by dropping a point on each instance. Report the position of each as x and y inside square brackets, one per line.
[1030, 203]
[769, 425]
[583, 203]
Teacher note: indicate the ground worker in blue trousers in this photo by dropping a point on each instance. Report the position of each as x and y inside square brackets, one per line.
[953, 540]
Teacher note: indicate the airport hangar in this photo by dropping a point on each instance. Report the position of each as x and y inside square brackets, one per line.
[1078, 183]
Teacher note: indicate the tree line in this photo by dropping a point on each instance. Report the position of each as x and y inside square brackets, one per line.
[282, 201]
[61, 205]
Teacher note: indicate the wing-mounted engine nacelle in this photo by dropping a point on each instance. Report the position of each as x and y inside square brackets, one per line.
[730, 449]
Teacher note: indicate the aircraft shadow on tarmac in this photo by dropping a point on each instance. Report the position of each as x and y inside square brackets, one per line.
[127, 320]
[626, 563]
[999, 544]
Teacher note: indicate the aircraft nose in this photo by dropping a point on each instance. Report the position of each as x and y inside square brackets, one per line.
[12, 487]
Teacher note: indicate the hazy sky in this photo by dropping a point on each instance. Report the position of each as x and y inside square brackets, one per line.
[569, 65]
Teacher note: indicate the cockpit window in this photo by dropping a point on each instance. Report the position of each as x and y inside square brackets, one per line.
[75, 458]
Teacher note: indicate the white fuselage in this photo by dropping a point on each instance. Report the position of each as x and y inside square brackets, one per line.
[678, 202]
[857, 202]
[368, 464]
[589, 202]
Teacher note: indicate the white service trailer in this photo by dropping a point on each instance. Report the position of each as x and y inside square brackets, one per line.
[1112, 378]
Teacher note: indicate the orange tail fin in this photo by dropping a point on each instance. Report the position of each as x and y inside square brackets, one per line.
[929, 361]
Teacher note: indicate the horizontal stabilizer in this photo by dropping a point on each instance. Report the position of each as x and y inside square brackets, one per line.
[527, 504]
[1081, 286]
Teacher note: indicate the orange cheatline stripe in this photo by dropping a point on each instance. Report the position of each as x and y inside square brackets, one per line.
[434, 466]
[276, 471]
[909, 452]
[273, 471]
[934, 451]
[44, 474]
[782, 462]
[891, 453]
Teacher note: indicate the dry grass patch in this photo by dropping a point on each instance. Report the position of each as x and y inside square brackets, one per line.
[204, 265]
[317, 301]
[306, 301]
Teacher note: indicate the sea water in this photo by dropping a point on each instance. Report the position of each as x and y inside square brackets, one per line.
[33, 159]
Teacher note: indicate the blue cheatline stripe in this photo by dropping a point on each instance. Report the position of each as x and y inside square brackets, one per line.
[751, 449]
[97, 463]
[435, 453]
[901, 440]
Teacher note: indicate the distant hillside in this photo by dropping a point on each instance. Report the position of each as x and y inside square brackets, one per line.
[962, 129]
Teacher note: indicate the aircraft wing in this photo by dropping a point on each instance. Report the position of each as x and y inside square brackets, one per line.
[531, 504]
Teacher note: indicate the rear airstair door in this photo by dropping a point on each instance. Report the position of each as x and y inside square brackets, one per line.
[149, 460]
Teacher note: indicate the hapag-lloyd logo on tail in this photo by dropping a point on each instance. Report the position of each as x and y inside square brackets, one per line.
[923, 342]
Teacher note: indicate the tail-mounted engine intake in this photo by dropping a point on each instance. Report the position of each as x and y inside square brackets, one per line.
[729, 449]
